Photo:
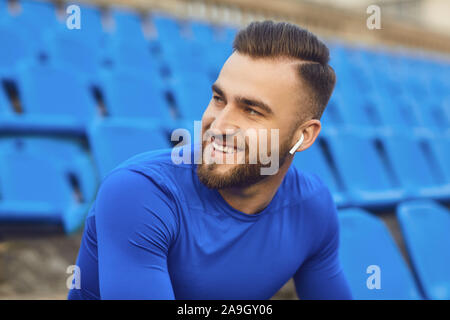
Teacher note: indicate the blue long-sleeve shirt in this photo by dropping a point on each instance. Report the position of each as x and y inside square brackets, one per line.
[156, 232]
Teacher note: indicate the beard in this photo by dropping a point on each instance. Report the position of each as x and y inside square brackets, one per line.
[240, 175]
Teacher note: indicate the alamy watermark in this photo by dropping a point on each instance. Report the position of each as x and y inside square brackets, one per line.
[374, 20]
[374, 280]
[234, 149]
[73, 21]
[74, 280]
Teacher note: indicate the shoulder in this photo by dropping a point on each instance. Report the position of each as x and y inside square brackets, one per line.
[313, 200]
[307, 187]
[158, 167]
[131, 202]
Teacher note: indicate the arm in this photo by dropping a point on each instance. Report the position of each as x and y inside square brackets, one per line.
[136, 224]
[321, 277]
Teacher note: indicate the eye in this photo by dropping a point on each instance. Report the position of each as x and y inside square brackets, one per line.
[252, 112]
[217, 98]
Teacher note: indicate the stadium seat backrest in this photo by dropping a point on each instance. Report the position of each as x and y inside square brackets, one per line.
[113, 142]
[76, 161]
[14, 47]
[440, 146]
[38, 13]
[4, 11]
[133, 55]
[412, 163]
[425, 226]
[359, 162]
[314, 160]
[167, 27]
[91, 26]
[192, 93]
[30, 177]
[368, 254]
[354, 108]
[229, 33]
[135, 95]
[70, 50]
[332, 115]
[202, 32]
[433, 109]
[51, 90]
[186, 56]
[128, 25]
[390, 113]
[5, 106]
[410, 110]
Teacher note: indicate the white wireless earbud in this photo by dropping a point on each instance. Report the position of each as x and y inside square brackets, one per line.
[297, 145]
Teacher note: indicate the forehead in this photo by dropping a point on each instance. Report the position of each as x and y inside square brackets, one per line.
[268, 79]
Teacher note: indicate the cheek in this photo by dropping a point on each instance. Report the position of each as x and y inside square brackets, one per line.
[275, 137]
[207, 116]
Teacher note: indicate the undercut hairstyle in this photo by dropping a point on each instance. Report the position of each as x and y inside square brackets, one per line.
[268, 39]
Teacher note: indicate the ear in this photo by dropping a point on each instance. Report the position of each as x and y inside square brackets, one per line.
[310, 130]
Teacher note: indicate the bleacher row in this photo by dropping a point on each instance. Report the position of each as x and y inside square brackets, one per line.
[374, 264]
[76, 103]
[105, 91]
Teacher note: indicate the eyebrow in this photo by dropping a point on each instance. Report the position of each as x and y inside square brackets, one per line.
[244, 100]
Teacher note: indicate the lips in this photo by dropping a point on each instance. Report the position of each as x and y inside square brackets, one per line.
[223, 147]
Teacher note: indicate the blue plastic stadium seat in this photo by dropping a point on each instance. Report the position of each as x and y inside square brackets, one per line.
[192, 92]
[226, 34]
[186, 56]
[128, 25]
[131, 94]
[53, 100]
[214, 44]
[114, 141]
[75, 160]
[353, 109]
[5, 105]
[91, 26]
[4, 12]
[34, 20]
[364, 170]
[215, 57]
[36, 186]
[416, 167]
[14, 49]
[365, 242]
[136, 56]
[425, 226]
[37, 16]
[435, 116]
[180, 52]
[70, 50]
[332, 115]
[393, 114]
[440, 148]
[38, 12]
[167, 27]
[411, 111]
[314, 160]
[202, 32]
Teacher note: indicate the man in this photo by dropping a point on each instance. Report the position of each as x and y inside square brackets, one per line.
[222, 229]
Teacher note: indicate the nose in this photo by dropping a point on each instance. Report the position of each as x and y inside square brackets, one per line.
[224, 122]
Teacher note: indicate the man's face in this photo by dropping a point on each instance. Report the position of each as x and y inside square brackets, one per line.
[250, 97]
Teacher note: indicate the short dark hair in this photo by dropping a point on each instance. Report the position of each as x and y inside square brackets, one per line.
[268, 39]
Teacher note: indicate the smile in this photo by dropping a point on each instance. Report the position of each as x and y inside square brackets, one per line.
[223, 148]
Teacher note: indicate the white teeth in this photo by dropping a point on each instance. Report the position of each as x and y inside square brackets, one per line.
[222, 148]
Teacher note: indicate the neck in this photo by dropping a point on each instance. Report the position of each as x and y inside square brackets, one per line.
[255, 198]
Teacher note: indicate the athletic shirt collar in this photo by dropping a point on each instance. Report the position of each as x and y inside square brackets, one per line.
[214, 195]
